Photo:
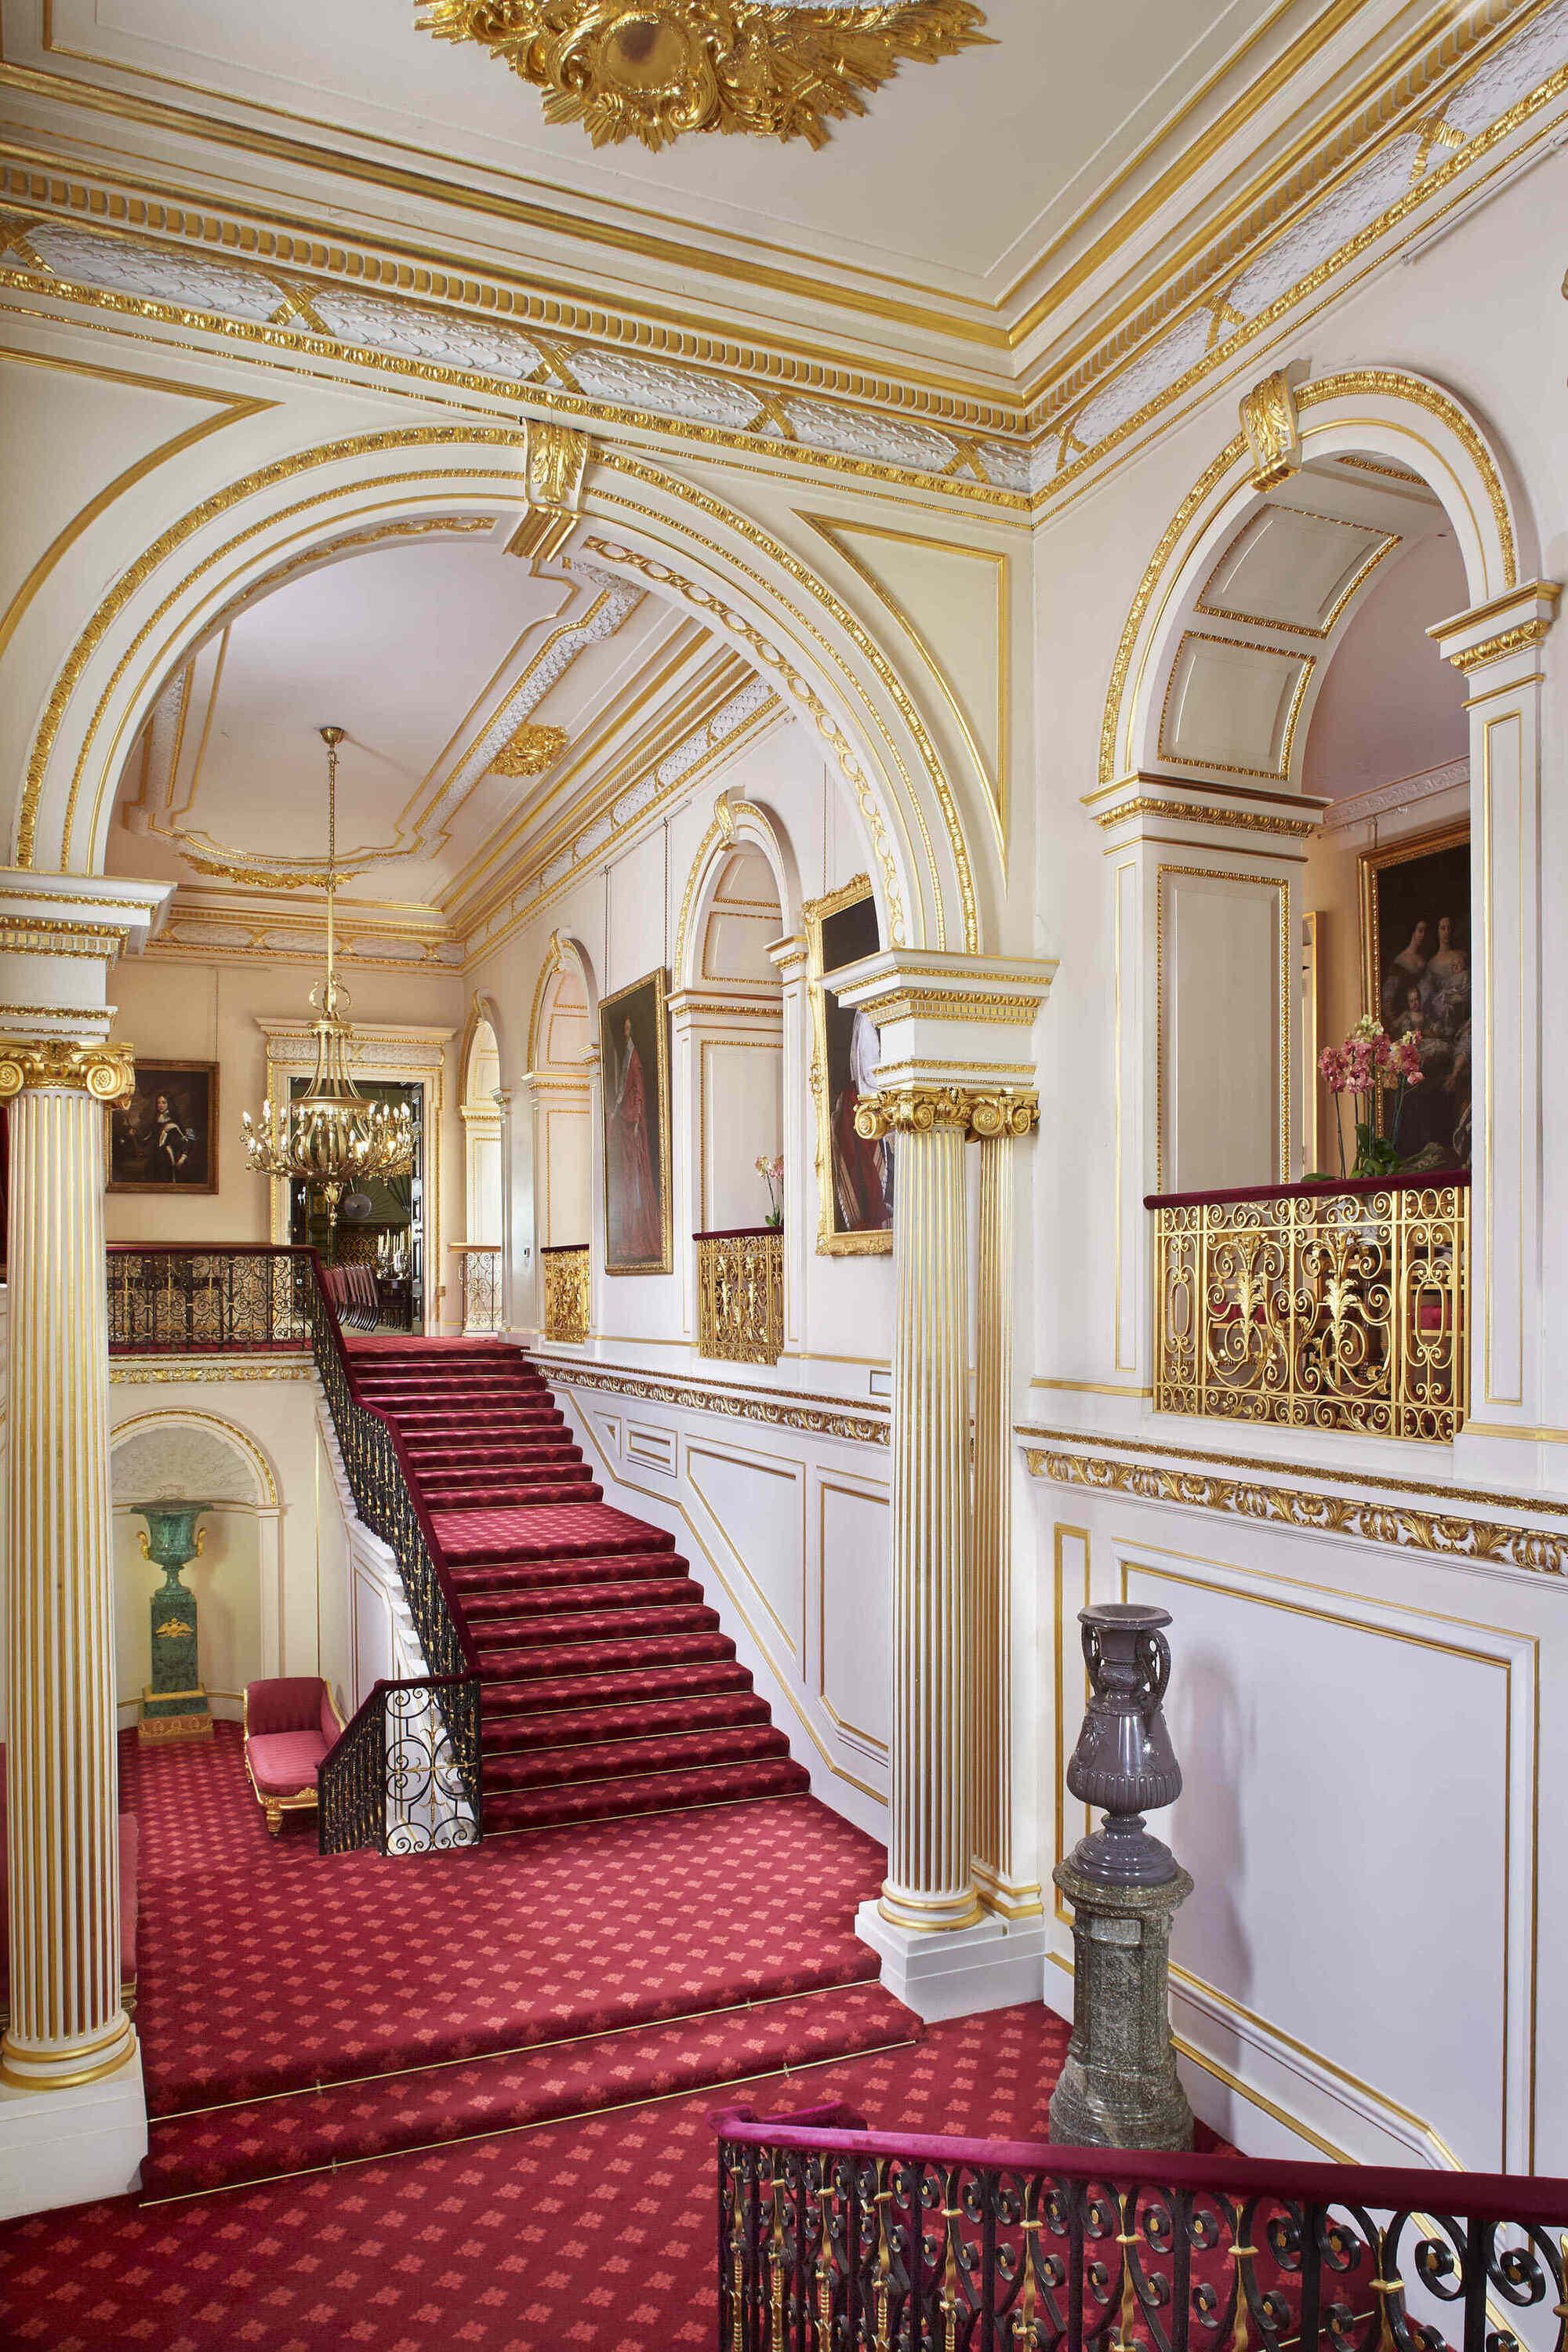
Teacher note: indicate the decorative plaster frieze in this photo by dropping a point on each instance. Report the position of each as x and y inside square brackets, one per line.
[819, 1416]
[137, 1371]
[70, 259]
[1429, 1524]
[1253, 277]
[1360, 808]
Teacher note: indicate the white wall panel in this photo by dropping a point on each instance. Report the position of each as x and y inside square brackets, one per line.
[854, 1605]
[757, 1502]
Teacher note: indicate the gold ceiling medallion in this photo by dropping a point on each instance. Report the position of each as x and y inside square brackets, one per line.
[529, 751]
[658, 67]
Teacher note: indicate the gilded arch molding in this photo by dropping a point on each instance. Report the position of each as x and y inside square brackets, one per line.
[1387, 411]
[897, 799]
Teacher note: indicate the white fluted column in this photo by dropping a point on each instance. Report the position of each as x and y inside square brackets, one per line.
[68, 2026]
[929, 1883]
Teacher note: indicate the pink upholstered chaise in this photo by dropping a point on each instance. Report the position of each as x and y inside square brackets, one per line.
[290, 1725]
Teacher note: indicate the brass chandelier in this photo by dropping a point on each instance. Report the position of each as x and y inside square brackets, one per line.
[332, 1138]
[654, 70]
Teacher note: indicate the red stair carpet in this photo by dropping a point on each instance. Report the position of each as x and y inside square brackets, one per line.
[608, 1688]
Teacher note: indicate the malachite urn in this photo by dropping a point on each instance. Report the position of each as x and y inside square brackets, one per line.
[173, 1703]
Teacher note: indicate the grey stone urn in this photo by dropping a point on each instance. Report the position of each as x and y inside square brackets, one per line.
[1118, 2087]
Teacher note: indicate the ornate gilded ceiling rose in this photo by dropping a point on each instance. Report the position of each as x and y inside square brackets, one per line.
[658, 67]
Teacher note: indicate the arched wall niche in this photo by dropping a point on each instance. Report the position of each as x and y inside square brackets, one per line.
[1208, 850]
[1378, 415]
[192, 1456]
[480, 1073]
[676, 539]
[562, 1035]
[739, 827]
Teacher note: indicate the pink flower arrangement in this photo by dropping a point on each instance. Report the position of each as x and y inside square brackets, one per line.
[772, 1173]
[1370, 1062]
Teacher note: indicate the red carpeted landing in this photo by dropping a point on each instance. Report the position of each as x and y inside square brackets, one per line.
[589, 2237]
[609, 1688]
[297, 2011]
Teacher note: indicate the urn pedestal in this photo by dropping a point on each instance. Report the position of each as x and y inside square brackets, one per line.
[174, 1703]
[1118, 2087]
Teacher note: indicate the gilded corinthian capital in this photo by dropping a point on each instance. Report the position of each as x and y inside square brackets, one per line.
[107, 1072]
[915, 1110]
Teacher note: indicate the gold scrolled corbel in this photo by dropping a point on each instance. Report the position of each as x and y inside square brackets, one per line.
[554, 464]
[106, 1072]
[1273, 434]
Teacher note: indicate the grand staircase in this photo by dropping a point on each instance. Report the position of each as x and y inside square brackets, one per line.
[608, 1687]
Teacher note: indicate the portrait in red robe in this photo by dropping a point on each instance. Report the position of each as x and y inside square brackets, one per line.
[634, 1193]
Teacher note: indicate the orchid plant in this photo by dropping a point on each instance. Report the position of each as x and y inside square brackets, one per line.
[772, 1173]
[1368, 1063]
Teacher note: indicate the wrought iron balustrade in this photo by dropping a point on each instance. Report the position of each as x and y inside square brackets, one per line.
[1324, 1307]
[830, 2235]
[255, 1297]
[479, 1276]
[175, 1301]
[566, 1279]
[740, 1293]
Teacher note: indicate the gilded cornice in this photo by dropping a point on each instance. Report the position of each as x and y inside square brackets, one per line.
[1432, 119]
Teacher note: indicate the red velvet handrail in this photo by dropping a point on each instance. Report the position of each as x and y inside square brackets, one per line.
[1359, 1186]
[560, 1249]
[1481, 2196]
[736, 1233]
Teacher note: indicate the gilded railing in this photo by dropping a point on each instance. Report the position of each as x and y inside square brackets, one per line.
[253, 1297]
[740, 1295]
[832, 2235]
[479, 1276]
[1340, 1306]
[566, 1291]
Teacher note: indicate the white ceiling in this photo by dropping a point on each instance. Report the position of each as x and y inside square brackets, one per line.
[953, 179]
[421, 652]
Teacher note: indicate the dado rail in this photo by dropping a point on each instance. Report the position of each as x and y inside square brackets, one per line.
[830, 2235]
[405, 1777]
[1321, 1305]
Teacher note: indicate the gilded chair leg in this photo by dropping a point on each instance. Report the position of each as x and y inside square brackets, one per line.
[275, 1819]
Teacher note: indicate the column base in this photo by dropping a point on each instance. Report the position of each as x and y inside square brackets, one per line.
[958, 1973]
[69, 2147]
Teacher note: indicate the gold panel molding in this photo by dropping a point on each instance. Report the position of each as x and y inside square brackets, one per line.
[665, 68]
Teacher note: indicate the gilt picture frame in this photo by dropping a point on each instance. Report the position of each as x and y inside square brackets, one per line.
[163, 1137]
[633, 1074]
[854, 1179]
[1416, 971]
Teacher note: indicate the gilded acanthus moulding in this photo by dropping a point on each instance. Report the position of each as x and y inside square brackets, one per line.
[1533, 1548]
[977, 1112]
[529, 751]
[107, 1072]
[1497, 648]
[816, 1416]
[667, 67]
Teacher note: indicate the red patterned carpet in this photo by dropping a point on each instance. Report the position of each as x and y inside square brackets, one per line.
[588, 2237]
[562, 1596]
[541, 1975]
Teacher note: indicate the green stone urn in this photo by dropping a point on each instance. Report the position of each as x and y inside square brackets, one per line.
[173, 1703]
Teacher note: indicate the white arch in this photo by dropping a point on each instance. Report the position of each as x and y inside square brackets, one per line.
[267, 1510]
[672, 537]
[737, 825]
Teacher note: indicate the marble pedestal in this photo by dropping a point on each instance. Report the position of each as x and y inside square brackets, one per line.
[1118, 2087]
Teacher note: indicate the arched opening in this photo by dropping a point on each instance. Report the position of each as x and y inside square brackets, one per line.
[741, 1168]
[480, 1254]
